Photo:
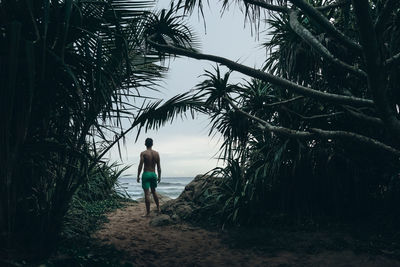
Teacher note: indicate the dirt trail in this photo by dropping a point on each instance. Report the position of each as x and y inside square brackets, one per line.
[185, 245]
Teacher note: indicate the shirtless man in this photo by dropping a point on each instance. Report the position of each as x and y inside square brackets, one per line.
[150, 158]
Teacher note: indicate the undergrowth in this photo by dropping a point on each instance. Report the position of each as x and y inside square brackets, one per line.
[77, 247]
[274, 231]
[87, 213]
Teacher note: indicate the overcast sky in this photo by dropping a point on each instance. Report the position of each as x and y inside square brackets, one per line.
[184, 146]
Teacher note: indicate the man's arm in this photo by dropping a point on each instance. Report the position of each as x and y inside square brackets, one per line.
[140, 167]
[158, 167]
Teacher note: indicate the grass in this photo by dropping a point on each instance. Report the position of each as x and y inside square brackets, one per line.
[86, 214]
[77, 247]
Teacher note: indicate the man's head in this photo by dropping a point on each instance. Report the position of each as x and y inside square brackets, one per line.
[149, 142]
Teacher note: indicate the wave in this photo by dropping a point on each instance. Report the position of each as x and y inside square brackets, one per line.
[170, 186]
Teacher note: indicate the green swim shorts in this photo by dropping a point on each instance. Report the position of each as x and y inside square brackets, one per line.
[149, 179]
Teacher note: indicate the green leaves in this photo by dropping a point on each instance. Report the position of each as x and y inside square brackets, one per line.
[166, 27]
[70, 69]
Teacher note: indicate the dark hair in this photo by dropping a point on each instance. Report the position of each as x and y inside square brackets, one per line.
[148, 142]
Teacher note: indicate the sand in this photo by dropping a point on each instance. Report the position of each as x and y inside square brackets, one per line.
[186, 245]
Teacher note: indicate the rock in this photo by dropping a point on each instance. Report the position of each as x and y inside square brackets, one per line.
[198, 190]
[167, 207]
[196, 195]
[194, 188]
[175, 218]
[161, 220]
[183, 211]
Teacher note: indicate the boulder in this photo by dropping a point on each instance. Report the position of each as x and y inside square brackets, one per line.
[196, 195]
[167, 207]
[184, 210]
[175, 218]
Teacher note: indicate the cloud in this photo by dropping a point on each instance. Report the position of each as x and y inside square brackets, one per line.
[181, 154]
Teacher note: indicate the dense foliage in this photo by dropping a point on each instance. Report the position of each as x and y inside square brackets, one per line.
[314, 132]
[268, 173]
[100, 194]
[69, 67]
[70, 72]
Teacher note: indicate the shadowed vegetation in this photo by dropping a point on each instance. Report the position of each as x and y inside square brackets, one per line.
[314, 132]
[71, 72]
[86, 213]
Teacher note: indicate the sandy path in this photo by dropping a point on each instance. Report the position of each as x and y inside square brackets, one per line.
[185, 245]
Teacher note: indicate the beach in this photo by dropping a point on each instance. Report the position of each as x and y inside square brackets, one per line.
[163, 239]
[183, 244]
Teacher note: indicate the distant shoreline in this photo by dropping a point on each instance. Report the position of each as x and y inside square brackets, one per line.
[171, 187]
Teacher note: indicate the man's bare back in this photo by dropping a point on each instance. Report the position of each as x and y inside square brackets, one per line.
[150, 159]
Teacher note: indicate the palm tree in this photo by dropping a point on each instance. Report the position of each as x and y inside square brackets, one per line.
[331, 31]
[70, 69]
[311, 115]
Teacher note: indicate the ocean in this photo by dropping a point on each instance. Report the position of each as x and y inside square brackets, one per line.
[169, 186]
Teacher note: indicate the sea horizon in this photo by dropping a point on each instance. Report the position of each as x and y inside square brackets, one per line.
[171, 187]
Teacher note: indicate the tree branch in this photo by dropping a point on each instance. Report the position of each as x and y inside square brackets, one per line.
[314, 117]
[285, 9]
[269, 127]
[284, 101]
[286, 84]
[266, 5]
[384, 15]
[356, 137]
[366, 118]
[313, 13]
[331, 6]
[392, 61]
[309, 38]
[317, 132]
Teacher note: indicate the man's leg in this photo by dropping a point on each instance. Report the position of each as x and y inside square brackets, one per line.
[155, 197]
[147, 201]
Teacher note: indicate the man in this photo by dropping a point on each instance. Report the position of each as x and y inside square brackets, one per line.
[150, 158]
